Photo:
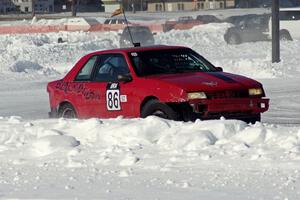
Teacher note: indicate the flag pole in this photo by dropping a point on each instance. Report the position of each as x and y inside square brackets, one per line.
[128, 28]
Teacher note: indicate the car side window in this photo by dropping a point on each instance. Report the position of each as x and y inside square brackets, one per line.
[295, 15]
[110, 67]
[289, 15]
[253, 22]
[85, 74]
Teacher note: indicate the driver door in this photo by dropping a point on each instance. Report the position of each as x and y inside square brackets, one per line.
[116, 97]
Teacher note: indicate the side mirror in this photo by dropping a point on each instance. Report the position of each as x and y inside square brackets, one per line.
[219, 69]
[125, 78]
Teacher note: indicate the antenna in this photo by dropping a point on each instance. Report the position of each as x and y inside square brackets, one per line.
[119, 11]
[127, 26]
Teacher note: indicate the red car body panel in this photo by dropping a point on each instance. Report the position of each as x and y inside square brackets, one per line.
[89, 98]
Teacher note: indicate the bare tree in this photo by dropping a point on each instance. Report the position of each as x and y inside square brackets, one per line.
[73, 8]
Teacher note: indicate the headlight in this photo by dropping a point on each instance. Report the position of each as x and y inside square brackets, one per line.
[197, 95]
[255, 91]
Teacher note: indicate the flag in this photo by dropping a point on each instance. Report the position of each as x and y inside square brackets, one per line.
[117, 12]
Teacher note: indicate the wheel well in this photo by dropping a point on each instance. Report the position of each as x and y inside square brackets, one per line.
[63, 103]
[284, 31]
[183, 108]
[146, 100]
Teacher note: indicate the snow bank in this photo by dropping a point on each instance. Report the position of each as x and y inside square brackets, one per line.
[251, 59]
[43, 50]
[51, 143]
[127, 138]
[148, 158]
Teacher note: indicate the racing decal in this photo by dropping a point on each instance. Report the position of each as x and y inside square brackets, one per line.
[223, 77]
[123, 98]
[77, 88]
[113, 97]
[211, 83]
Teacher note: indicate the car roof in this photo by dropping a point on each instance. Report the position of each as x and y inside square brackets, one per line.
[290, 9]
[140, 49]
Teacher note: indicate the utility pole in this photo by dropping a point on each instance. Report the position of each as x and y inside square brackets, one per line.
[32, 8]
[275, 32]
[73, 8]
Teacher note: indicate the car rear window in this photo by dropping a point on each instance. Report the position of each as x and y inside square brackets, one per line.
[169, 61]
[138, 30]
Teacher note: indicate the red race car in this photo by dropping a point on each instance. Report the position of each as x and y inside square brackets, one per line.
[171, 82]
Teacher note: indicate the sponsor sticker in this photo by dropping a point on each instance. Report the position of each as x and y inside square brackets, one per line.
[123, 98]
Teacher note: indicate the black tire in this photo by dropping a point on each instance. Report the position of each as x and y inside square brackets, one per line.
[233, 38]
[67, 111]
[162, 110]
[253, 119]
[285, 35]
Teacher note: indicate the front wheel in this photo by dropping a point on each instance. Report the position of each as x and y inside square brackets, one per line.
[159, 109]
[67, 111]
[253, 119]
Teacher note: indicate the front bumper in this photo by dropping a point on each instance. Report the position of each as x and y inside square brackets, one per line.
[53, 113]
[212, 108]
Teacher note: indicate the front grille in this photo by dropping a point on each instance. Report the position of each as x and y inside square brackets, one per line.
[225, 94]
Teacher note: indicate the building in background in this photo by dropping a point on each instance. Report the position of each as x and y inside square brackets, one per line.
[81, 5]
[25, 6]
[111, 5]
[172, 6]
[265, 3]
[166, 5]
[7, 6]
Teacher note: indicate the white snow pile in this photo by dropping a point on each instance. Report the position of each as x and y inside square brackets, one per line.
[131, 141]
[250, 59]
[44, 52]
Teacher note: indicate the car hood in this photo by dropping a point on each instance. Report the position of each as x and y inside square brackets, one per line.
[207, 81]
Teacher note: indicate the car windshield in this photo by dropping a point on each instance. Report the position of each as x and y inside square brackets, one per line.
[138, 30]
[169, 61]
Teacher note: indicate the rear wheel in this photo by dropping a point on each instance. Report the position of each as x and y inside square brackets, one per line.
[67, 111]
[159, 109]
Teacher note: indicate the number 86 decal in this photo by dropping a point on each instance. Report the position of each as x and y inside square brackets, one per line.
[113, 98]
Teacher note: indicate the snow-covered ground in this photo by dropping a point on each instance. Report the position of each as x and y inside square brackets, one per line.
[148, 158]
